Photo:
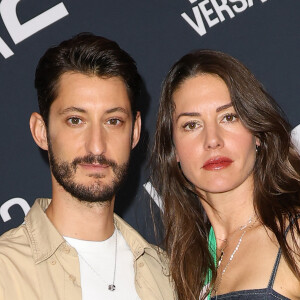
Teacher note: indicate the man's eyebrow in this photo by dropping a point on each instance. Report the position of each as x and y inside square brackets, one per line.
[220, 108]
[72, 109]
[188, 114]
[118, 109]
[81, 110]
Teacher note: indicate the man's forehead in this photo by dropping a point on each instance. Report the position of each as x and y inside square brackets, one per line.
[86, 91]
[71, 76]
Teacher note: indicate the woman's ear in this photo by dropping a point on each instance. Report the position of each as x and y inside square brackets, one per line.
[38, 130]
[177, 157]
[257, 142]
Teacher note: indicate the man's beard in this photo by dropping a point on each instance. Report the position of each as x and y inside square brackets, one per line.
[97, 192]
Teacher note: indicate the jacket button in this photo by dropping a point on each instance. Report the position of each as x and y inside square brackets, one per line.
[53, 262]
[141, 264]
[67, 250]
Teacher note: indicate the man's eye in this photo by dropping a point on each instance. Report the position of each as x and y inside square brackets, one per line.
[114, 122]
[74, 121]
[191, 126]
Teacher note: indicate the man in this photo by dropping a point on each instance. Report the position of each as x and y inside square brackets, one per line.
[73, 246]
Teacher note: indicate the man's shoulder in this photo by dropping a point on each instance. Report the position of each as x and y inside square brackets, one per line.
[18, 274]
[15, 255]
[14, 241]
[13, 237]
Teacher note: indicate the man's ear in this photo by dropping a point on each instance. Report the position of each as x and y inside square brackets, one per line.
[38, 130]
[136, 130]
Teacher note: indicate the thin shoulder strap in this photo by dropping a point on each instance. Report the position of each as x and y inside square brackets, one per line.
[275, 268]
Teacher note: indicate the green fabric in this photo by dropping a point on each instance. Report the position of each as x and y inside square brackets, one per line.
[212, 245]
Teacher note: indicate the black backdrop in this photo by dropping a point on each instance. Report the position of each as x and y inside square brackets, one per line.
[264, 34]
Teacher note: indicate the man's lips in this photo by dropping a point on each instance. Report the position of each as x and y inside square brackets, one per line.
[217, 163]
[94, 166]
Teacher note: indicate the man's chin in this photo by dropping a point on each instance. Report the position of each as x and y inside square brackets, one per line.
[96, 201]
[97, 192]
[89, 196]
[93, 180]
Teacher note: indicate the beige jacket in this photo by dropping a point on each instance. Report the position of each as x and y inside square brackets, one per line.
[37, 264]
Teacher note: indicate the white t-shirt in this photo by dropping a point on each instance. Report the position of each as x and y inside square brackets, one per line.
[97, 261]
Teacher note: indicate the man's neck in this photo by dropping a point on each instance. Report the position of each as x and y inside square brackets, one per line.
[81, 220]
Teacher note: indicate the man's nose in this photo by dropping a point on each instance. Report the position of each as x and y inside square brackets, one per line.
[96, 140]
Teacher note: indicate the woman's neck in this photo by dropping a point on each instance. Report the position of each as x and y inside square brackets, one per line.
[229, 211]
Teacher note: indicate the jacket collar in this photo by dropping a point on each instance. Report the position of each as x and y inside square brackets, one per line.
[45, 239]
[43, 236]
[135, 241]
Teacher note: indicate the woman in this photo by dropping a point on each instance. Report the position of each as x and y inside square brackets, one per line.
[223, 149]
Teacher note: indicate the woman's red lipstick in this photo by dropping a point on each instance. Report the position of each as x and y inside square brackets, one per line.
[217, 163]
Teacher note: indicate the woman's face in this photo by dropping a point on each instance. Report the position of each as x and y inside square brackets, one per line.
[215, 150]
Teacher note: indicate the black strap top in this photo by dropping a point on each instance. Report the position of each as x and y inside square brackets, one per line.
[260, 294]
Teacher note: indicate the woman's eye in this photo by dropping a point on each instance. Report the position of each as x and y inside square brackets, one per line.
[191, 126]
[114, 122]
[230, 118]
[74, 121]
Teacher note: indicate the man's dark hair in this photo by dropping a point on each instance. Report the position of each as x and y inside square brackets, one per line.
[87, 54]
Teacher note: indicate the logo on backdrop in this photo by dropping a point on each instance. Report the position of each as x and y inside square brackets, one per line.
[208, 13]
[4, 208]
[296, 137]
[20, 32]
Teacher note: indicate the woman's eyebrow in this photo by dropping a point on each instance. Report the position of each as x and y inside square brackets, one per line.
[220, 108]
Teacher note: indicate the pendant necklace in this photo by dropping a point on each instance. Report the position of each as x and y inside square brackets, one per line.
[243, 228]
[221, 257]
[219, 260]
[112, 286]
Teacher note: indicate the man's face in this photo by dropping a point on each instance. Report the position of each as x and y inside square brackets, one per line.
[90, 136]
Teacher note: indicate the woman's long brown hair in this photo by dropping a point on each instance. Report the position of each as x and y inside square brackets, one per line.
[276, 171]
